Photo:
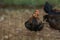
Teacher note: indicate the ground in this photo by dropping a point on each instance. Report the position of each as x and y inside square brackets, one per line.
[12, 26]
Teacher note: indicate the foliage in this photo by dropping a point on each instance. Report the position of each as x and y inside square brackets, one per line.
[29, 2]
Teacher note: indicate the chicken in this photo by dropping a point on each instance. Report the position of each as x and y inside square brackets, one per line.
[53, 16]
[34, 24]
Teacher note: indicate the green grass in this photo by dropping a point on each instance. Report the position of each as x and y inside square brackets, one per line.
[30, 2]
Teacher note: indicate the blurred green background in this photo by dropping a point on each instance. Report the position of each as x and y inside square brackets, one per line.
[29, 2]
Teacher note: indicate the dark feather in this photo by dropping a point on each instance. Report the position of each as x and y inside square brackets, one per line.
[34, 26]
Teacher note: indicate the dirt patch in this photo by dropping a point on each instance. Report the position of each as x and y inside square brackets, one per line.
[12, 27]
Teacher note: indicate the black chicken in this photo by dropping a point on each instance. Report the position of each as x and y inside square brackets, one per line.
[53, 17]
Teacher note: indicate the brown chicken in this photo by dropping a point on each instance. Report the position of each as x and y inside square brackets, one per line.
[34, 23]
